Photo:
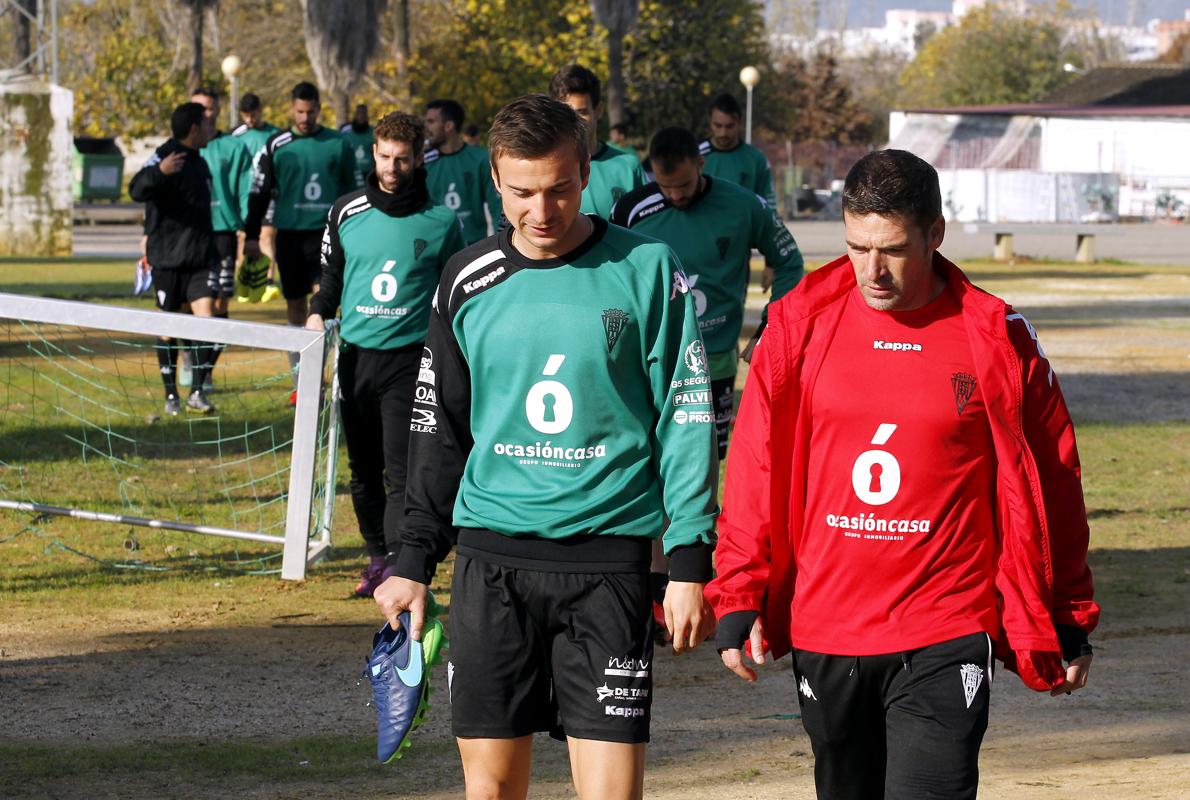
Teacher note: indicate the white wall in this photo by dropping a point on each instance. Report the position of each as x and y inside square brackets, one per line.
[36, 204]
[1150, 147]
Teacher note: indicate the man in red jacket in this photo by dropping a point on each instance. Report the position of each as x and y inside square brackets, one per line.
[903, 499]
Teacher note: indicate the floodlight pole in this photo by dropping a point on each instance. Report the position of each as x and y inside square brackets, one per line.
[749, 76]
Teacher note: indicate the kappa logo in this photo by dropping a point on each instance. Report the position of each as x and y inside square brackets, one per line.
[419, 247]
[681, 285]
[621, 711]
[964, 386]
[614, 322]
[694, 357]
[723, 242]
[972, 678]
[880, 344]
[804, 688]
[486, 280]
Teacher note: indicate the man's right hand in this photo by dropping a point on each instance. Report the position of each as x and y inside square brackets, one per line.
[734, 659]
[252, 248]
[172, 163]
[397, 595]
[314, 323]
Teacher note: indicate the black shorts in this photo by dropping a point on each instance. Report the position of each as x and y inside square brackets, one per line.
[569, 653]
[221, 279]
[900, 726]
[299, 260]
[176, 287]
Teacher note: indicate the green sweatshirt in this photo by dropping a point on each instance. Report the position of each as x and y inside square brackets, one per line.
[614, 174]
[231, 177]
[381, 264]
[361, 147]
[714, 237]
[563, 398]
[743, 165]
[306, 173]
[462, 181]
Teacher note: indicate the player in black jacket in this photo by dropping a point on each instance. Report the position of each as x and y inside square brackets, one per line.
[175, 186]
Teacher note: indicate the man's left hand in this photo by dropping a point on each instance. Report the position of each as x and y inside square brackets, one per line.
[1077, 672]
[688, 616]
[766, 279]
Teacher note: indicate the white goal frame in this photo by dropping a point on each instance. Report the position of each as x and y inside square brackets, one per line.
[299, 548]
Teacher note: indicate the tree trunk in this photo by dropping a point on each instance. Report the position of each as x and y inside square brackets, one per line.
[401, 54]
[342, 102]
[615, 83]
[194, 79]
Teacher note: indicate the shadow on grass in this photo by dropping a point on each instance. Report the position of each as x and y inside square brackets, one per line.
[1127, 398]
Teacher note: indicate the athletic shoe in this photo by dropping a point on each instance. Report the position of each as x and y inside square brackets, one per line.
[270, 293]
[197, 403]
[370, 579]
[143, 279]
[399, 671]
[173, 406]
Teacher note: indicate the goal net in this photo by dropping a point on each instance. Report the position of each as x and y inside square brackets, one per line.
[85, 439]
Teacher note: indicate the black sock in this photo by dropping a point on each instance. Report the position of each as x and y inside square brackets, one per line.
[203, 354]
[167, 358]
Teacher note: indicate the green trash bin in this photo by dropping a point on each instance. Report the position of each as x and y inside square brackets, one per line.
[98, 169]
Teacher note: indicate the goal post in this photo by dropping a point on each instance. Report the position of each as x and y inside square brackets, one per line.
[300, 512]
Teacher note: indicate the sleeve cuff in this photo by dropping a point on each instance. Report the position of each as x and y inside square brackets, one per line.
[734, 628]
[1073, 641]
[690, 563]
[413, 563]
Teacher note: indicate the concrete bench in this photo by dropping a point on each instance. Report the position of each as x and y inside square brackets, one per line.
[1004, 246]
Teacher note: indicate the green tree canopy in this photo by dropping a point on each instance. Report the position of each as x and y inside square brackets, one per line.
[993, 56]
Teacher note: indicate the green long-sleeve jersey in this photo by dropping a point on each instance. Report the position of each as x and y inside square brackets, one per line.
[560, 398]
[714, 237]
[462, 181]
[743, 165]
[381, 264]
[614, 174]
[361, 147]
[306, 173]
[254, 139]
[231, 177]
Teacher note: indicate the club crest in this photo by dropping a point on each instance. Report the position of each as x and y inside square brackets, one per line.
[614, 320]
[964, 386]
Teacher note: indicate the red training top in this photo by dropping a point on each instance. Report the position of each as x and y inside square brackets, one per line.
[899, 547]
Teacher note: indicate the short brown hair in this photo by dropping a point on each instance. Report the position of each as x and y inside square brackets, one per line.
[397, 126]
[893, 183]
[533, 126]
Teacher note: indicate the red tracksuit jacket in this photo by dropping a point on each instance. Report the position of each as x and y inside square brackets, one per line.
[1042, 576]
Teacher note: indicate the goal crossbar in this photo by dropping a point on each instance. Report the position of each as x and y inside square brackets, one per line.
[299, 549]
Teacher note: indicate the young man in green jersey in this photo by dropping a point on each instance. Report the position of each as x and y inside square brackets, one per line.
[560, 419]
[712, 225]
[458, 174]
[231, 176]
[729, 157]
[614, 173]
[383, 251]
[359, 136]
[304, 169]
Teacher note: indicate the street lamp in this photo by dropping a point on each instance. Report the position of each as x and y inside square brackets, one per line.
[231, 71]
[749, 76]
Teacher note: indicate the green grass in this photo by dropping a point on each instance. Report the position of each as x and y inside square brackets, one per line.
[1134, 480]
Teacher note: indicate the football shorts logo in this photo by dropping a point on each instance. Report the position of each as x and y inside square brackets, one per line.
[424, 416]
[804, 688]
[614, 320]
[695, 358]
[964, 386]
[419, 247]
[603, 692]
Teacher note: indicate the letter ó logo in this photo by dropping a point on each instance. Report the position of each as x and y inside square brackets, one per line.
[876, 474]
[549, 406]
